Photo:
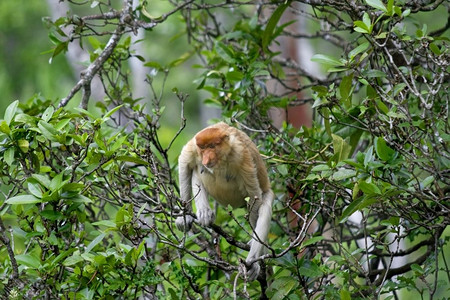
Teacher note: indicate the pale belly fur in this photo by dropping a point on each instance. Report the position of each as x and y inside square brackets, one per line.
[227, 190]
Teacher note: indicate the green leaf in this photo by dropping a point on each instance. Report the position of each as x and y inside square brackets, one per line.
[320, 90]
[95, 242]
[48, 113]
[73, 187]
[394, 221]
[327, 60]
[154, 65]
[24, 145]
[52, 215]
[396, 115]
[405, 13]
[4, 127]
[326, 120]
[139, 251]
[57, 182]
[61, 124]
[361, 48]
[342, 174]
[384, 152]
[345, 294]
[369, 188]
[417, 268]
[27, 119]
[282, 170]
[73, 260]
[272, 23]
[282, 287]
[367, 21]
[42, 179]
[312, 177]
[427, 182]
[345, 88]
[143, 207]
[340, 147]
[95, 43]
[8, 156]
[118, 143]
[361, 27]
[35, 189]
[312, 240]
[111, 112]
[375, 74]
[358, 204]
[132, 159]
[81, 199]
[180, 59]
[28, 260]
[234, 76]
[225, 52]
[11, 111]
[85, 112]
[62, 256]
[383, 107]
[320, 168]
[435, 49]
[350, 209]
[368, 157]
[48, 131]
[129, 261]
[35, 162]
[107, 223]
[354, 139]
[355, 191]
[390, 7]
[23, 199]
[60, 47]
[311, 271]
[377, 4]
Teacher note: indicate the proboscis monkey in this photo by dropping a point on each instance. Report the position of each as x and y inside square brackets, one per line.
[223, 162]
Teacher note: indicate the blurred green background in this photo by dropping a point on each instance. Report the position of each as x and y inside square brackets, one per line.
[26, 69]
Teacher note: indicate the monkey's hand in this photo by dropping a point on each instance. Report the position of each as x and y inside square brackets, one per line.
[253, 271]
[184, 223]
[205, 216]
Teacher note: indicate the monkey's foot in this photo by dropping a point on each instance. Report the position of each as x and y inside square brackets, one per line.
[205, 217]
[184, 223]
[253, 271]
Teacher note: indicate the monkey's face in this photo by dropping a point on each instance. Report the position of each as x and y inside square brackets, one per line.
[209, 155]
[212, 146]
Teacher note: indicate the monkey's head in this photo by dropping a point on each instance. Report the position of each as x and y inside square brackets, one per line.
[212, 146]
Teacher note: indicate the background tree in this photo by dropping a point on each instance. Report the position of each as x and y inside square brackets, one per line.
[90, 195]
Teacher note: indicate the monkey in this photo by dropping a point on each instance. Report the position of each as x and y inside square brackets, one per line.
[222, 162]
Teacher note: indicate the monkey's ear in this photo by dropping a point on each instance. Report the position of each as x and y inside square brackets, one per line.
[225, 138]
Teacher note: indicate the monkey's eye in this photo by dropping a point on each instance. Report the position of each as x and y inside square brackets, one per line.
[212, 146]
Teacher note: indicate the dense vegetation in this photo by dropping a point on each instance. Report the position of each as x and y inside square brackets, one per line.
[90, 193]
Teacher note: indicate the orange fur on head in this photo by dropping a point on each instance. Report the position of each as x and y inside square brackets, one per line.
[211, 143]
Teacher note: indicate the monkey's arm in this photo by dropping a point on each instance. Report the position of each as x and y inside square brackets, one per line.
[205, 216]
[185, 170]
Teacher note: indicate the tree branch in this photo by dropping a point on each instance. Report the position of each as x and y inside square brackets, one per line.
[5, 240]
[89, 73]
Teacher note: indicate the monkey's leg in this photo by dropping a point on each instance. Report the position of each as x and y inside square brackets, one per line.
[261, 230]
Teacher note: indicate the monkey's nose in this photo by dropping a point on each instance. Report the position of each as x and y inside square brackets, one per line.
[209, 164]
